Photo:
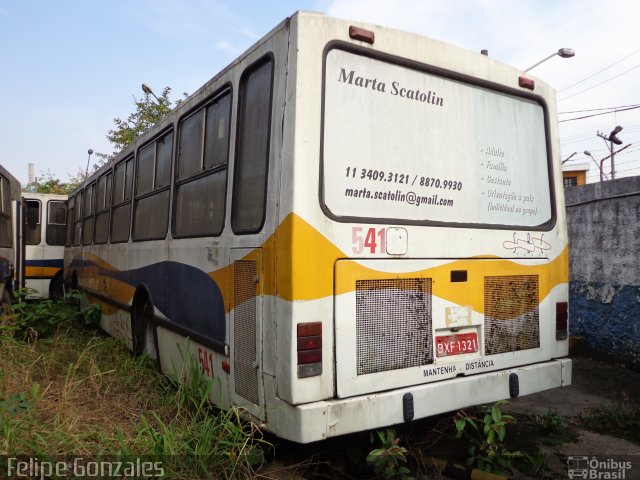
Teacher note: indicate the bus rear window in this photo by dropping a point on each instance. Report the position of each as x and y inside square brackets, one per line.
[402, 145]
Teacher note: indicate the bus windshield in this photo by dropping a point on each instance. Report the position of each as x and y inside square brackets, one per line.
[402, 145]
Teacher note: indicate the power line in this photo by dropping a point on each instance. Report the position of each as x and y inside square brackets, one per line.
[598, 114]
[598, 109]
[598, 72]
[598, 84]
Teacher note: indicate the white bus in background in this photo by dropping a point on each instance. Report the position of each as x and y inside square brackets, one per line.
[348, 227]
[44, 238]
[9, 201]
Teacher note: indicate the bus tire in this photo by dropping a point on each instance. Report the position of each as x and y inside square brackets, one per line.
[143, 327]
[56, 286]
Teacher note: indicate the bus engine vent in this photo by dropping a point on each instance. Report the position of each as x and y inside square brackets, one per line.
[244, 330]
[511, 316]
[393, 324]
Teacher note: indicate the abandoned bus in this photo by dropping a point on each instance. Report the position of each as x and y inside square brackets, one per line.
[44, 238]
[9, 200]
[348, 227]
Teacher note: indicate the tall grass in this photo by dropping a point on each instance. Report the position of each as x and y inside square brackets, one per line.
[73, 391]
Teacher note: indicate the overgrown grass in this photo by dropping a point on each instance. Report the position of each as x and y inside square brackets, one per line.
[68, 389]
[615, 419]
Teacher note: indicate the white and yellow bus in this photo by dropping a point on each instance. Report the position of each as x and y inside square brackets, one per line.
[9, 201]
[348, 227]
[44, 239]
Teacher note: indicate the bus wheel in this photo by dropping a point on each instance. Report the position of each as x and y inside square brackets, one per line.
[56, 287]
[142, 327]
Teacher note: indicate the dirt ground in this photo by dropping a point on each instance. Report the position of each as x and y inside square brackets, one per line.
[594, 383]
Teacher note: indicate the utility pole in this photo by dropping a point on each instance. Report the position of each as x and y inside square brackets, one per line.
[612, 138]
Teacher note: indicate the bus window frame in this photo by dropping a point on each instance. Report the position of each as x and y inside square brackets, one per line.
[28, 224]
[225, 89]
[154, 191]
[49, 223]
[5, 203]
[108, 201]
[128, 158]
[269, 57]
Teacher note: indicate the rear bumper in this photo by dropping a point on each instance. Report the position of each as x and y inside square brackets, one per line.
[319, 420]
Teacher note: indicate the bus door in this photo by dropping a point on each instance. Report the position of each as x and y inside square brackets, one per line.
[246, 329]
[34, 246]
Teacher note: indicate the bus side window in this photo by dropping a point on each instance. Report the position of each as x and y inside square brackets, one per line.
[56, 222]
[201, 184]
[121, 213]
[103, 204]
[151, 207]
[87, 208]
[34, 232]
[5, 213]
[70, 213]
[77, 220]
[252, 148]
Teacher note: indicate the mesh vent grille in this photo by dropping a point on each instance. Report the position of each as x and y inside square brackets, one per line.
[244, 330]
[393, 324]
[511, 316]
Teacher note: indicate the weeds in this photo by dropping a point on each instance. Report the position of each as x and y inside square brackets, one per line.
[485, 438]
[390, 459]
[78, 392]
[619, 420]
[41, 318]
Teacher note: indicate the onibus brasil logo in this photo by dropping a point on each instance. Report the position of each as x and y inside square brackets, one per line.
[597, 468]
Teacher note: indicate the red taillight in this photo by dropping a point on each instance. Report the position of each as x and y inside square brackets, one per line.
[361, 34]
[525, 82]
[310, 343]
[309, 348]
[309, 356]
[562, 320]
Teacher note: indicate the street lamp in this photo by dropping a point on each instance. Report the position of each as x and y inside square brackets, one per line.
[563, 52]
[599, 165]
[612, 138]
[86, 172]
[147, 89]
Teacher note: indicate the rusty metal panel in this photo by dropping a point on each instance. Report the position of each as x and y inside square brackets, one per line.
[511, 309]
[393, 324]
[244, 330]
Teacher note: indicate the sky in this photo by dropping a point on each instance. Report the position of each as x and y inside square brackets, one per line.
[69, 67]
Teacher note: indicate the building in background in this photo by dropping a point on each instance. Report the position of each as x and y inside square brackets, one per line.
[575, 174]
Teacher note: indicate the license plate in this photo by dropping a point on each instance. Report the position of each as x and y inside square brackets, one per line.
[456, 344]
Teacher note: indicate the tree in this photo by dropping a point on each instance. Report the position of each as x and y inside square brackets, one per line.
[150, 110]
[50, 184]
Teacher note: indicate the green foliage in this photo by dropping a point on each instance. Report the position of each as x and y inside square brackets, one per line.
[149, 111]
[485, 437]
[50, 184]
[615, 419]
[41, 317]
[553, 429]
[15, 404]
[389, 459]
[99, 401]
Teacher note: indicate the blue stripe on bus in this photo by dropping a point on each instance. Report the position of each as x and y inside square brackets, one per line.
[184, 294]
[57, 263]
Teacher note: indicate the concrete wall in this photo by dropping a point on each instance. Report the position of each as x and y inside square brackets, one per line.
[604, 257]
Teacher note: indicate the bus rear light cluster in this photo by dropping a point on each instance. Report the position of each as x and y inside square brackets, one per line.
[562, 320]
[309, 349]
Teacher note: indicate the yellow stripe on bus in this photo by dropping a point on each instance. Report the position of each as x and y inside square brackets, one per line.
[41, 272]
